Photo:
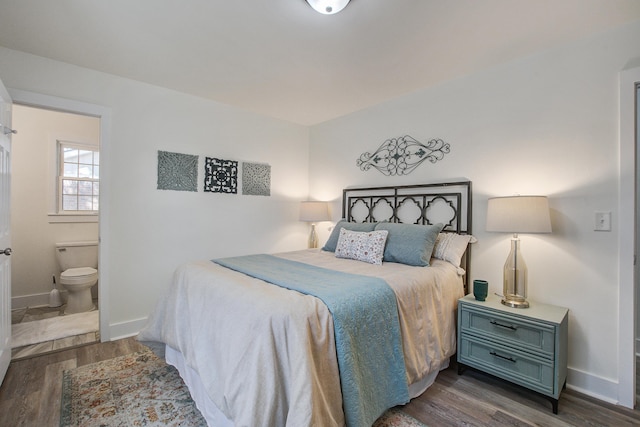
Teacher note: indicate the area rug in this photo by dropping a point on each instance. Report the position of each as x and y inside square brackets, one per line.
[396, 418]
[54, 328]
[141, 390]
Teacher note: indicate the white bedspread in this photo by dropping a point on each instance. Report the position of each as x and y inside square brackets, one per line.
[266, 355]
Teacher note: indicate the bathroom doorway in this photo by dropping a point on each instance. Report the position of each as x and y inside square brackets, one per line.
[44, 212]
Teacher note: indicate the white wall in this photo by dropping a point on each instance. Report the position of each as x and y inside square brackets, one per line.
[152, 231]
[33, 180]
[546, 124]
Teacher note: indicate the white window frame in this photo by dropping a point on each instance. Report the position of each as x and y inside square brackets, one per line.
[60, 177]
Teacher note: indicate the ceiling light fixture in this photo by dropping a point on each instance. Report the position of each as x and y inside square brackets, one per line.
[328, 7]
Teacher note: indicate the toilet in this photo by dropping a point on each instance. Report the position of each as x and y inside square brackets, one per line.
[78, 262]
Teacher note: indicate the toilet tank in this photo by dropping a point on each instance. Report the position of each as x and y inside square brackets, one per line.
[77, 254]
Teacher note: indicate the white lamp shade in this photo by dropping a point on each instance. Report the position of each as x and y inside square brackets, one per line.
[518, 214]
[328, 7]
[314, 211]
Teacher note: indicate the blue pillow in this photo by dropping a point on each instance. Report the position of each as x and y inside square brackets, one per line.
[332, 241]
[409, 244]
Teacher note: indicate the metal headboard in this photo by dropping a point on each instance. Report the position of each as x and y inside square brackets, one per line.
[448, 203]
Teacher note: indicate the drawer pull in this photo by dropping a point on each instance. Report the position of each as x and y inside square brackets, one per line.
[510, 359]
[511, 327]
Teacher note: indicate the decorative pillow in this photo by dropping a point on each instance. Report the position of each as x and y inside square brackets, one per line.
[410, 244]
[332, 241]
[367, 246]
[451, 246]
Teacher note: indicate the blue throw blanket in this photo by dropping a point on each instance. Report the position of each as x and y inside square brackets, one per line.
[367, 330]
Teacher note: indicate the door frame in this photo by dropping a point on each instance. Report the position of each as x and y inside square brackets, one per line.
[38, 100]
[5, 239]
[627, 241]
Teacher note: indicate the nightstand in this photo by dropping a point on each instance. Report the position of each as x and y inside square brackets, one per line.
[526, 346]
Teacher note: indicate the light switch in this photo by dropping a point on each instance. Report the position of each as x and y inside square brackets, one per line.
[602, 221]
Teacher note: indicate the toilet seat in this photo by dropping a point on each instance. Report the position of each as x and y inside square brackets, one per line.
[78, 275]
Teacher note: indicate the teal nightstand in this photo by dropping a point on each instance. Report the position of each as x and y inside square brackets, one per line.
[526, 346]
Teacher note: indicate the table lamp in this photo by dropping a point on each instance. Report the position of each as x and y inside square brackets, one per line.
[517, 214]
[314, 212]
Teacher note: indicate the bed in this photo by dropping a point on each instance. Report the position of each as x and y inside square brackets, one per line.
[331, 336]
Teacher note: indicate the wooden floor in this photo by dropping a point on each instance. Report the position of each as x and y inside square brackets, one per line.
[30, 396]
[477, 399]
[30, 392]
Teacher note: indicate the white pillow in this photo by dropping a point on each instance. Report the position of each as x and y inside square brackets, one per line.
[367, 246]
[451, 246]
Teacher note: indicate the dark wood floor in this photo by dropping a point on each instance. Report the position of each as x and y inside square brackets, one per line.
[30, 396]
[477, 399]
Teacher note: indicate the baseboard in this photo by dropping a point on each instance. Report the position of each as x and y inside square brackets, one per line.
[126, 329]
[591, 385]
[34, 300]
[38, 300]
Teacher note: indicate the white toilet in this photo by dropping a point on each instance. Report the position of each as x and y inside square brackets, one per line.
[78, 262]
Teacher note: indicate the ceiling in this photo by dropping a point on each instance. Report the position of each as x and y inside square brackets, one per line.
[282, 59]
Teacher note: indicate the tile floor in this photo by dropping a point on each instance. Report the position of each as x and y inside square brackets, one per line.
[29, 314]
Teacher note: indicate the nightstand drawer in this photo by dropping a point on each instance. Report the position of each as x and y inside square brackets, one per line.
[527, 335]
[508, 363]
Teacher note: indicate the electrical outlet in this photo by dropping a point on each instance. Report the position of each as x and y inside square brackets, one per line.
[602, 221]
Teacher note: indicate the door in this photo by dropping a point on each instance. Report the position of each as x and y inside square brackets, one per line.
[635, 346]
[5, 235]
[629, 234]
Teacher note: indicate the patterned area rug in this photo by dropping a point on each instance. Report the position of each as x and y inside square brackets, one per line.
[141, 390]
[396, 418]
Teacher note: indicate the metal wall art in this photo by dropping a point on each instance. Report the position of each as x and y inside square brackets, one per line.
[220, 176]
[177, 171]
[256, 179]
[400, 156]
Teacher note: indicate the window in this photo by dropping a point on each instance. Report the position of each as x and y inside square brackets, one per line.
[78, 178]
